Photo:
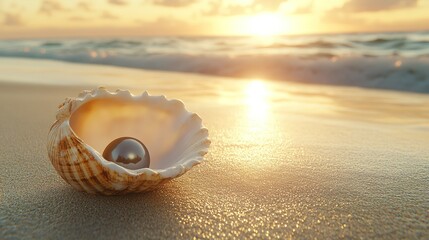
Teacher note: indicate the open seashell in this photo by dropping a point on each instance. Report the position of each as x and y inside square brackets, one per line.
[175, 138]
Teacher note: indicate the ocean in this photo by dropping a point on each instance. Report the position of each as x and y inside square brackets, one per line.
[396, 61]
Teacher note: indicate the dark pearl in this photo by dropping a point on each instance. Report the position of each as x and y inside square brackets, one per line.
[128, 152]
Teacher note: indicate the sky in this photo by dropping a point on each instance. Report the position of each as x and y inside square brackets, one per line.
[111, 18]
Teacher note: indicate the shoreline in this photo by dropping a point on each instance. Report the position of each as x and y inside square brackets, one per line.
[10, 68]
[402, 74]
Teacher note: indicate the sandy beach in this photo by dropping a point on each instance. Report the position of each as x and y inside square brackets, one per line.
[286, 160]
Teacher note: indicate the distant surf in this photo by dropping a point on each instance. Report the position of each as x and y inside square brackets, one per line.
[398, 61]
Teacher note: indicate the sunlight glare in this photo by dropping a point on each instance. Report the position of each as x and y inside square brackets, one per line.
[257, 101]
[267, 24]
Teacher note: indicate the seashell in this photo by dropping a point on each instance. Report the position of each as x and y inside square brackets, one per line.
[84, 126]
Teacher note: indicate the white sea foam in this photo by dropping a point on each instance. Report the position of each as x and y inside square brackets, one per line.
[397, 61]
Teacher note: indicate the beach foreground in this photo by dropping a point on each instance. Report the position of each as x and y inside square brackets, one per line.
[286, 160]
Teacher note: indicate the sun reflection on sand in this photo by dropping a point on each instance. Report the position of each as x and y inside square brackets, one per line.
[256, 131]
[256, 95]
[257, 123]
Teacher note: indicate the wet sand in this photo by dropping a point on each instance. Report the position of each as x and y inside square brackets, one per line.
[286, 160]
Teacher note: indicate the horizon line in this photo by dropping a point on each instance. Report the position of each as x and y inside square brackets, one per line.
[216, 36]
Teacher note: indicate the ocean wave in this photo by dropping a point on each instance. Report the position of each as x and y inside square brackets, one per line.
[377, 41]
[51, 44]
[315, 44]
[406, 74]
[320, 59]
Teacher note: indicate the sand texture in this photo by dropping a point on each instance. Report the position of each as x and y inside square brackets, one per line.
[286, 160]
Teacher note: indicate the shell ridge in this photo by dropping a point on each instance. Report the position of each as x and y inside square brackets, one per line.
[191, 136]
[195, 149]
[180, 149]
[77, 173]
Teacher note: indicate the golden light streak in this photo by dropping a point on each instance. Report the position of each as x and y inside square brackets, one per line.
[256, 95]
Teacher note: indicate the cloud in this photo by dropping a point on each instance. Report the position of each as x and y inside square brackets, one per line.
[173, 3]
[347, 22]
[167, 26]
[83, 6]
[219, 7]
[118, 2]
[346, 19]
[306, 9]
[341, 18]
[49, 6]
[266, 5]
[108, 15]
[376, 5]
[163, 26]
[12, 19]
[78, 19]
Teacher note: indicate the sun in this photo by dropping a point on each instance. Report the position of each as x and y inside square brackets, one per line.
[266, 24]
